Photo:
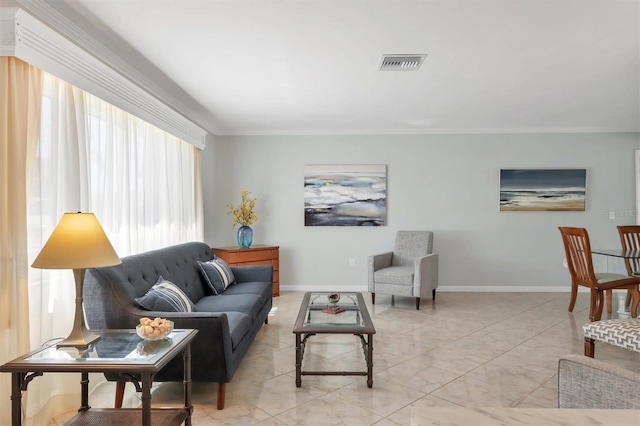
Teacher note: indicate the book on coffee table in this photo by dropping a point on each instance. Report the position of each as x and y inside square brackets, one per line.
[333, 311]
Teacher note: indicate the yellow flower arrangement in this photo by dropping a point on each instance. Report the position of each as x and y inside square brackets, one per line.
[243, 215]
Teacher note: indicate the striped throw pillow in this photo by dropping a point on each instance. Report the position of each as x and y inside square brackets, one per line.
[165, 296]
[217, 274]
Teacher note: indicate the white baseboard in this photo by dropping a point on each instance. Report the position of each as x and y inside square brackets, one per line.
[359, 288]
[458, 289]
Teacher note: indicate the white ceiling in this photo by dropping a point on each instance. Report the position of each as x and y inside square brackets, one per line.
[310, 66]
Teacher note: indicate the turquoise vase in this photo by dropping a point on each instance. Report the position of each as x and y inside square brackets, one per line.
[245, 236]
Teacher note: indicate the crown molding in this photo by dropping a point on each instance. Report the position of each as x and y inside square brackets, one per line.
[7, 31]
[91, 70]
[442, 131]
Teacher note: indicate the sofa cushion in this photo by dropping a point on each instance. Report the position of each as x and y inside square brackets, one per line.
[165, 296]
[261, 289]
[217, 275]
[397, 275]
[245, 303]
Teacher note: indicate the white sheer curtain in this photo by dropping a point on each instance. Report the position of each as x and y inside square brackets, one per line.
[152, 201]
[143, 185]
[20, 96]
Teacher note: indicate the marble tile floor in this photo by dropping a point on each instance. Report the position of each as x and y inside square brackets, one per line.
[482, 350]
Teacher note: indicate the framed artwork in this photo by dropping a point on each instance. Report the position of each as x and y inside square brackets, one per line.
[345, 195]
[542, 189]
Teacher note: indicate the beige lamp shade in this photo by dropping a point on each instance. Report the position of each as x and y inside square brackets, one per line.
[78, 242]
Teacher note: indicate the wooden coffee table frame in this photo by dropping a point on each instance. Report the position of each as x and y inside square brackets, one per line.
[303, 330]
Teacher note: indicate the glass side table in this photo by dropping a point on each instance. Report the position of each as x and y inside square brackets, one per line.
[117, 351]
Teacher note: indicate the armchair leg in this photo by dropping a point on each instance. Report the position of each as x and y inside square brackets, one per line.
[417, 303]
[373, 298]
[589, 347]
[433, 294]
[221, 395]
[119, 395]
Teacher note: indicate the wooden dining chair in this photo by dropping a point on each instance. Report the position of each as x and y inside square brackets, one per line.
[630, 240]
[580, 263]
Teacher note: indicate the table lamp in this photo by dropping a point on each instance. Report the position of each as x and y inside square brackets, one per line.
[78, 242]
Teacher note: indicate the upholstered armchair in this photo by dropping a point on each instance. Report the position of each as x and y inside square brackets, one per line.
[585, 382]
[411, 269]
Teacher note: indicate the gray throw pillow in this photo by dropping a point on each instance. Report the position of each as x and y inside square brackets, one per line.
[217, 274]
[165, 296]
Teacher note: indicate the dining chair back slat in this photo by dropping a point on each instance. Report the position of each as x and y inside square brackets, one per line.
[578, 252]
[630, 240]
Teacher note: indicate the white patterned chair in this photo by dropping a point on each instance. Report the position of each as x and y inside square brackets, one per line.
[411, 269]
[624, 333]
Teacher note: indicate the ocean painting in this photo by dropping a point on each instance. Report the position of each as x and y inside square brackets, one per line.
[542, 189]
[345, 195]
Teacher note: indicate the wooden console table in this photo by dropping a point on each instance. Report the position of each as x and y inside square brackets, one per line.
[254, 255]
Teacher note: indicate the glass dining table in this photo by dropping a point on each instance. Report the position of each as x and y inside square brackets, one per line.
[616, 256]
[624, 254]
[633, 256]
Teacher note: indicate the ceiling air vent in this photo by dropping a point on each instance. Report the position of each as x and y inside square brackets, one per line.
[401, 62]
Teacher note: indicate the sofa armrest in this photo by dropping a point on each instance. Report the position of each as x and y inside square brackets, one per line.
[211, 326]
[254, 273]
[585, 382]
[211, 349]
[426, 275]
[375, 262]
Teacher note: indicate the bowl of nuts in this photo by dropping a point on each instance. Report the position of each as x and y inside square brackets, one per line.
[154, 329]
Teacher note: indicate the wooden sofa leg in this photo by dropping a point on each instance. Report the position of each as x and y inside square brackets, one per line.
[119, 394]
[266, 320]
[433, 294]
[221, 396]
[589, 347]
[417, 303]
[373, 298]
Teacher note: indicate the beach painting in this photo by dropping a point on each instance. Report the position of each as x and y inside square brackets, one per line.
[542, 189]
[345, 195]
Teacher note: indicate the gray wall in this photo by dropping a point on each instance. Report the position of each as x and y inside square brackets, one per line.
[444, 183]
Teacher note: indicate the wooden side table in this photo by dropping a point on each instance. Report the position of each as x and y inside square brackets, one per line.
[254, 255]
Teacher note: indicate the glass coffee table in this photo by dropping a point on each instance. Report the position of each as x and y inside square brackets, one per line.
[353, 318]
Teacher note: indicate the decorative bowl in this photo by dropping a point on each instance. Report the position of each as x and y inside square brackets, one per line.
[334, 298]
[154, 332]
[150, 347]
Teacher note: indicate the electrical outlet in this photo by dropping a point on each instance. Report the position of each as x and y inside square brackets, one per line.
[564, 263]
[352, 262]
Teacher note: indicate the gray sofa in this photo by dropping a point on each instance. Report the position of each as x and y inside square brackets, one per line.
[226, 323]
[585, 382]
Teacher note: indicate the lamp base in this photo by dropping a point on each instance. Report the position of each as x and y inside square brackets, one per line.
[80, 336]
[83, 341]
